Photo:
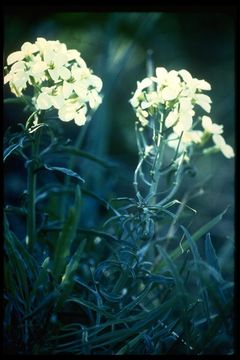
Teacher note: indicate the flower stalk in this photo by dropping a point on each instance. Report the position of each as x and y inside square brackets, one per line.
[31, 190]
[156, 170]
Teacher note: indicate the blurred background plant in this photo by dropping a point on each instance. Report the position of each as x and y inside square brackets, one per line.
[115, 45]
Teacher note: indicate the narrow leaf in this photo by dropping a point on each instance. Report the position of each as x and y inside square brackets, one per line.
[77, 152]
[210, 253]
[47, 302]
[64, 171]
[9, 150]
[66, 237]
[197, 260]
[197, 235]
[125, 349]
[67, 279]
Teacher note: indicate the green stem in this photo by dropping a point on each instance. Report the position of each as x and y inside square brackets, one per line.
[71, 164]
[157, 164]
[31, 190]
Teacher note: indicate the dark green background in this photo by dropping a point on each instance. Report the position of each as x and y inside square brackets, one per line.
[114, 45]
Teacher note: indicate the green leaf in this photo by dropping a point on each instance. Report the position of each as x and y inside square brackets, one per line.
[125, 349]
[75, 151]
[196, 236]
[212, 260]
[67, 279]
[210, 253]
[173, 269]
[41, 279]
[30, 262]
[92, 232]
[160, 279]
[197, 260]
[183, 295]
[64, 171]
[18, 269]
[205, 228]
[191, 244]
[16, 260]
[97, 197]
[48, 302]
[9, 150]
[66, 237]
[136, 301]
[17, 100]
[91, 306]
[13, 147]
[215, 325]
[9, 281]
[15, 209]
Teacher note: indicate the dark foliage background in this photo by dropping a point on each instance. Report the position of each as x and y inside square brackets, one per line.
[115, 46]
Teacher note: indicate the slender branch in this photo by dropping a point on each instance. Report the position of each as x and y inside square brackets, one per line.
[160, 144]
[176, 185]
[135, 182]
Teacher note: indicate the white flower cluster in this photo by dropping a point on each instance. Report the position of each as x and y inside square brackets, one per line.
[60, 77]
[175, 94]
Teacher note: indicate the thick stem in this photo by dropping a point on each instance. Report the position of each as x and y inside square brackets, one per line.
[31, 190]
[71, 164]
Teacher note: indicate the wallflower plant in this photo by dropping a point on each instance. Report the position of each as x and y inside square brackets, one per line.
[59, 78]
[136, 283]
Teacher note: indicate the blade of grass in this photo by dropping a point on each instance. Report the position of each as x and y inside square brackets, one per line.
[181, 290]
[197, 260]
[67, 279]
[66, 238]
[196, 236]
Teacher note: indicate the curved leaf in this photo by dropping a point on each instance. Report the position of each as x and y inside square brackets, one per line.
[64, 171]
[75, 151]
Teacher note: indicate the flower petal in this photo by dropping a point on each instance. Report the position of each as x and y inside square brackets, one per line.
[204, 101]
[67, 112]
[80, 117]
[187, 77]
[44, 101]
[15, 56]
[169, 93]
[64, 73]
[171, 118]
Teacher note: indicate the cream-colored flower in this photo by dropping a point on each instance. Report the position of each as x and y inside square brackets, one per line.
[168, 83]
[153, 98]
[220, 143]
[73, 110]
[186, 114]
[86, 85]
[172, 118]
[138, 95]
[187, 138]
[210, 127]
[49, 97]
[172, 90]
[17, 78]
[60, 79]
[44, 101]
[27, 49]
[194, 84]
[56, 64]
[53, 45]
[142, 116]
[204, 101]
[181, 116]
